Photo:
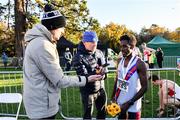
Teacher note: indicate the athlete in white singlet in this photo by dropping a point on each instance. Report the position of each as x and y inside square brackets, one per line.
[131, 80]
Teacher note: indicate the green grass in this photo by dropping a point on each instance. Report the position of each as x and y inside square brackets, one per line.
[71, 100]
[10, 69]
[148, 110]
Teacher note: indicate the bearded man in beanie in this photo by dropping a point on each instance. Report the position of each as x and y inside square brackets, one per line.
[90, 61]
[42, 74]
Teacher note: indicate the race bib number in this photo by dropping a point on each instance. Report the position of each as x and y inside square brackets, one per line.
[123, 85]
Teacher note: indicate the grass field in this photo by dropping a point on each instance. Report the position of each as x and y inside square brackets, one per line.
[71, 99]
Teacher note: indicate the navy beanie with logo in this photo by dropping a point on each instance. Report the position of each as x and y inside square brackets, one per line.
[89, 36]
[52, 18]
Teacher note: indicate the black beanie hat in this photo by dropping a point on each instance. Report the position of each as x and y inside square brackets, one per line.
[52, 19]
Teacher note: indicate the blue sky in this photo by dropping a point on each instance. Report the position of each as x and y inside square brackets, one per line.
[136, 13]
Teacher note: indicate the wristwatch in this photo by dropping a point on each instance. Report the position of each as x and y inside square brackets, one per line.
[131, 102]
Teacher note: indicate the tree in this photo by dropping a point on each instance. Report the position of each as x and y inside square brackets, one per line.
[77, 17]
[157, 30]
[27, 13]
[33, 10]
[6, 39]
[6, 28]
[2, 11]
[20, 26]
[177, 39]
[144, 35]
[111, 33]
[148, 34]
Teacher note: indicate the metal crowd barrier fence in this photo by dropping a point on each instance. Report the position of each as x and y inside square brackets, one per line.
[71, 96]
[70, 102]
[11, 82]
[170, 61]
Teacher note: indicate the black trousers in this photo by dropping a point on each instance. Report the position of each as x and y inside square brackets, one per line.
[159, 64]
[49, 118]
[5, 65]
[151, 65]
[99, 99]
[68, 66]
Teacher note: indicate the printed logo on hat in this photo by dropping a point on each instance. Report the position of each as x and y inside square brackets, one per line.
[51, 14]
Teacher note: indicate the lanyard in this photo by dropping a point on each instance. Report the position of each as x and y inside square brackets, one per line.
[124, 72]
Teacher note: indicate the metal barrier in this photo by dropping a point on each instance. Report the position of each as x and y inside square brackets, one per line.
[70, 102]
[170, 61]
[165, 73]
[71, 96]
[11, 82]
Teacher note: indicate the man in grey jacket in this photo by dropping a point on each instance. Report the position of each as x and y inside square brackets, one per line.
[42, 74]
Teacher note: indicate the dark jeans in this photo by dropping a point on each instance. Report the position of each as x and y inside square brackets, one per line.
[159, 64]
[130, 115]
[5, 65]
[151, 65]
[99, 99]
[68, 66]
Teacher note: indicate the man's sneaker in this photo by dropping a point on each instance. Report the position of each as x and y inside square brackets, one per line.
[161, 112]
[177, 113]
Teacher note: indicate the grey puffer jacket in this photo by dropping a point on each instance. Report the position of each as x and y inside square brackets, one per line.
[42, 74]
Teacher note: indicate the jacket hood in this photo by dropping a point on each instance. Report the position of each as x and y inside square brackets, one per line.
[37, 31]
